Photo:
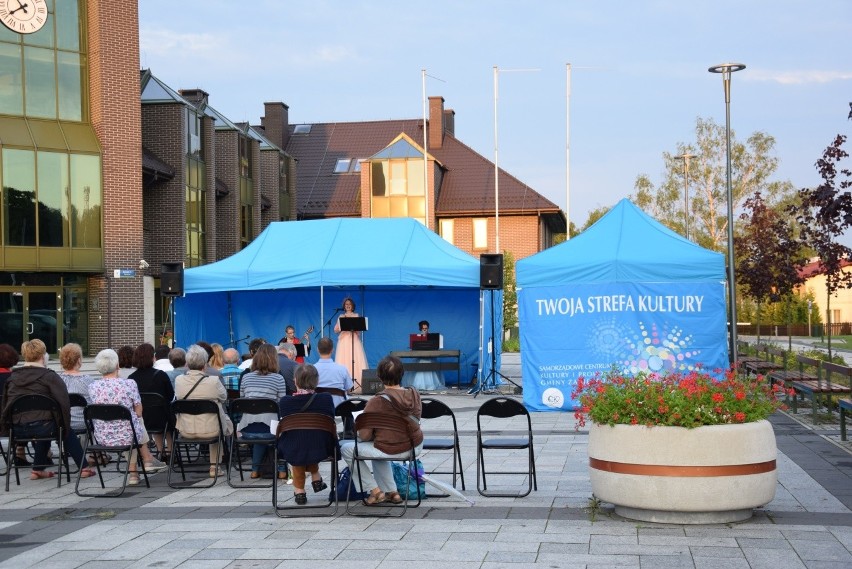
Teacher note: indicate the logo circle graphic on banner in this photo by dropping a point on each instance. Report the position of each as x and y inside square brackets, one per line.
[553, 397]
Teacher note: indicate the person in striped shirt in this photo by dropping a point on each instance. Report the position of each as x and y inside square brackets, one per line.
[262, 381]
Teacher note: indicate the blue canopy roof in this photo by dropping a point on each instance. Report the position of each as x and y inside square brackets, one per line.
[626, 245]
[339, 252]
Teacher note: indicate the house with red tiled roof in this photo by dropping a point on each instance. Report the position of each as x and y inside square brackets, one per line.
[376, 169]
[814, 281]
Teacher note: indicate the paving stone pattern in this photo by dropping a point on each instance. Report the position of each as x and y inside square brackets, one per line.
[807, 525]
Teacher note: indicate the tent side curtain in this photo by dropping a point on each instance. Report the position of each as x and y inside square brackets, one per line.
[231, 319]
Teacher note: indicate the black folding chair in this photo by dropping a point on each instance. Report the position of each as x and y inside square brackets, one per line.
[372, 420]
[2, 451]
[298, 425]
[156, 416]
[80, 402]
[433, 409]
[252, 406]
[187, 440]
[344, 410]
[504, 408]
[110, 413]
[26, 403]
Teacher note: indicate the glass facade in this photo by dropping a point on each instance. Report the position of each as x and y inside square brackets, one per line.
[43, 75]
[50, 164]
[196, 195]
[397, 188]
[246, 193]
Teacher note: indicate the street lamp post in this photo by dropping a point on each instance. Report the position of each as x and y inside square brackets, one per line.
[726, 69]
[686, 156]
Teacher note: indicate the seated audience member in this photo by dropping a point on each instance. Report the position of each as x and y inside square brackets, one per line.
[161, 358]
[150, 380]
[111, 389]
[287, 365]
[71, 359]
[217, 360]
[195, 384]
[334, 378]
[303, 450]
[208, 368]
[253, 346]
[125, 361]
[383, 443]
[231, 372]
[8, 360]
[177, 357]
[262, 382]
[35, 378]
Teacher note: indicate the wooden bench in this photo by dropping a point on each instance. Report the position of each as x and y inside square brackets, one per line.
[786, 377]
[744, 348]
[822, 386]
[845, 407]
[767, 364]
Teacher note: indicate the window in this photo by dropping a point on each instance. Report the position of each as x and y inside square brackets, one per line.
[397, 188]
[49, 193]
[246, 192]
[193, 133]
[302, 129]
[43, 75]
[342, 166]
[446, 228]
[480, 233]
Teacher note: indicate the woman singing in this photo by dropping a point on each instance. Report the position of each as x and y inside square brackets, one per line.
[349, 346]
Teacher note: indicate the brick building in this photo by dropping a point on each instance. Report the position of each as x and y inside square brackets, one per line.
[375, 169]
[70, 163]
[94, 183]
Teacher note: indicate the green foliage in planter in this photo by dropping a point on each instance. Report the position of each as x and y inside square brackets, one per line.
[512, 345]
[681, 400]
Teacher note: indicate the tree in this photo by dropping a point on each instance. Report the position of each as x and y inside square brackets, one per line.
[594, 216]
[752, 166]
[767, 255]
[824, 214]
[510, 293]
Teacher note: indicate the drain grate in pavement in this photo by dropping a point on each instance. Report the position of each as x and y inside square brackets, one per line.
[77, 514]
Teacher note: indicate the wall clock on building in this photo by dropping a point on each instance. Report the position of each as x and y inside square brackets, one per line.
[23, 16]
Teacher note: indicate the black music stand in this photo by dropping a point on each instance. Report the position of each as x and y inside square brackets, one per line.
[300, 350]
[353, 324]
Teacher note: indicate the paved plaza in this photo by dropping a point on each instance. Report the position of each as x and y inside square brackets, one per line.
[807, 525]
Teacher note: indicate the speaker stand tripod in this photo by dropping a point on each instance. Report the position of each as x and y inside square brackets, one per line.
[488, 384]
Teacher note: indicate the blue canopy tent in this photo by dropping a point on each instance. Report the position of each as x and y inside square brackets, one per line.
[397, 271]
[627, 292]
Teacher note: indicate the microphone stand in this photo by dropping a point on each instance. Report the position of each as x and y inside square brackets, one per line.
[328, 322]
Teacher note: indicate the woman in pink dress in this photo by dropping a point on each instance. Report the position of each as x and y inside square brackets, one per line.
[349, 346]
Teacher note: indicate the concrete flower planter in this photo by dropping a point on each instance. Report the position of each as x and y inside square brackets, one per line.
[711, 474]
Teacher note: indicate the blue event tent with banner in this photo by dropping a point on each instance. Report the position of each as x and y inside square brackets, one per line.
[397, 271]
[627, 293]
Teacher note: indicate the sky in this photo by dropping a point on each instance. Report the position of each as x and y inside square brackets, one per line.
[639, 76]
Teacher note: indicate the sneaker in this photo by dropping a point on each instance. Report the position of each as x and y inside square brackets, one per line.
[155, 466]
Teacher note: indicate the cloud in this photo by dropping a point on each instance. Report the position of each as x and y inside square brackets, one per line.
[799, 77]
[166, 43]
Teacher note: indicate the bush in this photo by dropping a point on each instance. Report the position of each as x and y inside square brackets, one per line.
[512, 345]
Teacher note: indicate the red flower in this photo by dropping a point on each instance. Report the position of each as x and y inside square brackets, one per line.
[718, 397]
[740, 395]
[739, 417]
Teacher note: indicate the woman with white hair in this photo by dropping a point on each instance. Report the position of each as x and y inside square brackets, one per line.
[195, 384]
[116, 390]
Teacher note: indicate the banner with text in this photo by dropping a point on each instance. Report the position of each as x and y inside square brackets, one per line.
[569, 331]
